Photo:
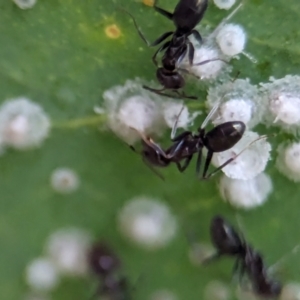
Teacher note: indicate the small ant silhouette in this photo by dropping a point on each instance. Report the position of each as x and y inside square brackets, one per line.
[187, 144]
[187, 14]
[105, 265]
[248, 261]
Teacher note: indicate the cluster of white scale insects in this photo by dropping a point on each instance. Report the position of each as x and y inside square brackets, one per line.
[147, 222]
[65, 255]
[23, 124]
[134, 112]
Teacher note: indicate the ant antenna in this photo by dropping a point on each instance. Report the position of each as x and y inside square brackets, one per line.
[156, 42]
[214, 33]
[234, 157]
[177, 96]
[210, 115]
[174, 128]
[250, 57]
[217, 104]
[136, 26]
[295, 250]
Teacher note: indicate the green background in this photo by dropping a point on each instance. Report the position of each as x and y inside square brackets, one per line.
[58, 55]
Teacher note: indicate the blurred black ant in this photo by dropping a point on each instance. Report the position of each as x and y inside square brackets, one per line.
[258, 274]
[105, 265]
[187, 144]
[187, 14]
[248, 261]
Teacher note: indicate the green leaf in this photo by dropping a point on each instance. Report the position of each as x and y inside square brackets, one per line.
[58, 55]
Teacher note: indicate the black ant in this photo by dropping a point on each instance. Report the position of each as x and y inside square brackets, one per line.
[105, 265]
[248, 261]
[187, 14]
[187, 144]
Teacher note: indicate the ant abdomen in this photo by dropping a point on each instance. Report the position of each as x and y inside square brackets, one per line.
[170, 80]
[224, 237]
[224, 136]
[188, 14]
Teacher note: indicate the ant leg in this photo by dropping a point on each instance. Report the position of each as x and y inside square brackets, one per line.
[181, 55]
[236, 266]
[132, 148]
[182, 95]
[199, 160]
[181, 136]
[163, 12]
[159, 92]
[191, 52]
[153, 169]
[163, 47]
[232, 158]
[187, 161]
[161, 39]
[157, 41]
[197, 36]
[207, 162]
[239, 269]
[178, 146]
[239, 274]
[235, 270]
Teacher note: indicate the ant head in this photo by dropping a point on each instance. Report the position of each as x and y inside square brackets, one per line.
[169, 79]
[224, 237]
[267, 288]
[275, 288]
[152, 156]
[102, 260]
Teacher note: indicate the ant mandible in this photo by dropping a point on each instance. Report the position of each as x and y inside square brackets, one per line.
[187, 144]
[187, 14]
[105, 265]
[228, 242]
